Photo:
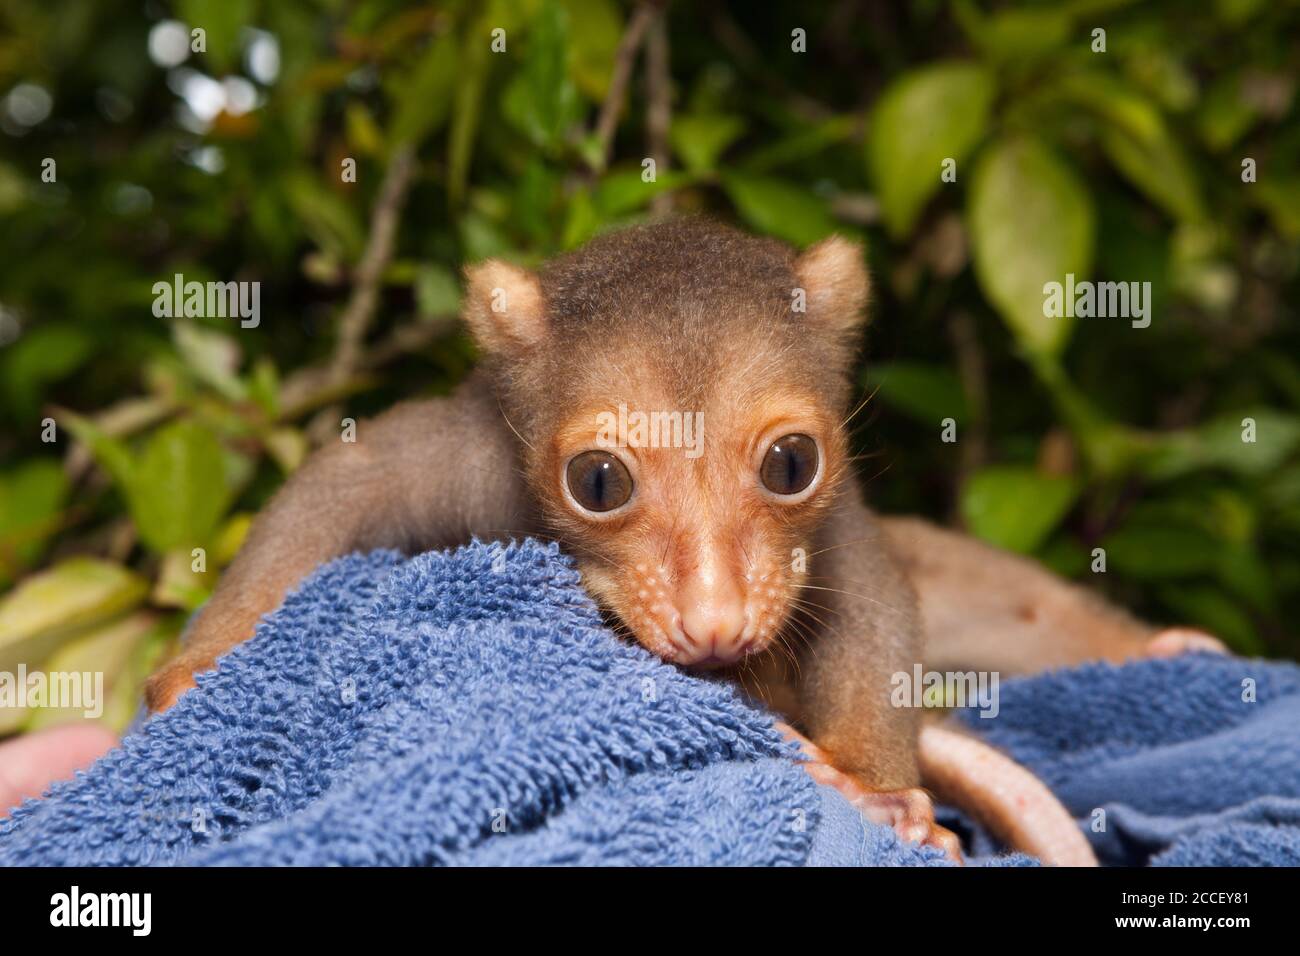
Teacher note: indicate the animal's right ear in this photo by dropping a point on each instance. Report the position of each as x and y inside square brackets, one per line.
[504, 308]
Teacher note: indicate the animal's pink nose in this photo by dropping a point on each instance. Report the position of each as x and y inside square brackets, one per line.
[714, 633]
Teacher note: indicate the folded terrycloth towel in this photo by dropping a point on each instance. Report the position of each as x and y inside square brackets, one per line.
[1190, 761]
[469, 708]
[1195, 761]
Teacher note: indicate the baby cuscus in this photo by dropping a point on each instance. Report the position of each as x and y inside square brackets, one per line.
[671, 403]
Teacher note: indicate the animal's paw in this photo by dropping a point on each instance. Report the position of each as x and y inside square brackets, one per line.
[1182, 640]
[909, 812]
[164, 688]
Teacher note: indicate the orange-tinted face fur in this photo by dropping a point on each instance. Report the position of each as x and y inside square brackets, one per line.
[703, 561]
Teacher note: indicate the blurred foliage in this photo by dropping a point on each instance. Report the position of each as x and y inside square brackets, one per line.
[224, 164]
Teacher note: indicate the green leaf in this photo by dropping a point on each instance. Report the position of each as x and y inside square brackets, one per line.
[179, 490]
[230, 538]
[13, 189]
[43, 354]
[926, 116]
[802, 143]
[538, 191]
[1138, 141]
[779, 208]
[212, 356]
[1279, 196]
[1015, 507]
[1063, 555]
[424, 94]
[288, 447]
[48, 608]
[364, 134]
[700, 139]
[1017, 35]
[263, 386]
[624, 191]
[178, 584]
[582, 221]
[468, 106]
[105, 652]
[1225, 115]
[484, 239]
[437, 293]
[1158, 168]
[1031, 222]
[1160, 551]
[113, 456]
[596, 28]
[329, 220]
[31, 497]
[542, 101]
[1219, 444]
[221, 21]
[1238, 12]
[929, 393]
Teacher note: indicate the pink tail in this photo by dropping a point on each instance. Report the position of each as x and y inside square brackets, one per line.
[1004, 797]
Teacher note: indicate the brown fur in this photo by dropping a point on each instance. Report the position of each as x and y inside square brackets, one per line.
[690, 316]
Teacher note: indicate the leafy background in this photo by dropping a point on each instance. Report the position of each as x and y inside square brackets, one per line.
[225, 164]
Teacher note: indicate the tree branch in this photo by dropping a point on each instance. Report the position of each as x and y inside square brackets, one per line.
[616, 96]
[659, 108]
[359, 313]
[973, 374]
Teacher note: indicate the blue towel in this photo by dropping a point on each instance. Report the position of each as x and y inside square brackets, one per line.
[1189, 761]
[469, 708]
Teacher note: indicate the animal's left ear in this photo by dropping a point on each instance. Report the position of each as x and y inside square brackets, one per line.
[833, 275]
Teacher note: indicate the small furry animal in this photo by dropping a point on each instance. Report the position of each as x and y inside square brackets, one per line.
[750, 551]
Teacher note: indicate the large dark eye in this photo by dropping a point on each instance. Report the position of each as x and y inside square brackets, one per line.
[789, 465]
[598, 481]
